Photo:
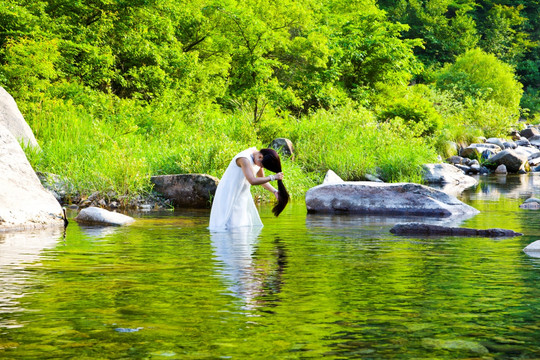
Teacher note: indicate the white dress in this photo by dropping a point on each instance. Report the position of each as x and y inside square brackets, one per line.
[233, 204]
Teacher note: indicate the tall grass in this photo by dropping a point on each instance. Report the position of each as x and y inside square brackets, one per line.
[111, 145]
[352, 143]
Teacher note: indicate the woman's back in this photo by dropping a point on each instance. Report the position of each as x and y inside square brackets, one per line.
[233, 204]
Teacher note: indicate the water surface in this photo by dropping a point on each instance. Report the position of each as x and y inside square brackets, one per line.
[303, 286]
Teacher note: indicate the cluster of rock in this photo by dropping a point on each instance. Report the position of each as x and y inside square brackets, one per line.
[501, 156]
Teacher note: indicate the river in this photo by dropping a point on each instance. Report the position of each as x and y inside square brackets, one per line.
[303, 287]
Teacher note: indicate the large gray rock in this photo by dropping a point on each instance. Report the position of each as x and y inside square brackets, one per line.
[24, 203]
[474, 151]
[186, 190]
[535, 140]
[529, 132]
[496, 141]
[534, 159]
[365, 197]
[448, 178]
[98, 216]
[526, 151]
[509, 158]
[283, 146]
[12, 119]
[415, 228]
[446, 174]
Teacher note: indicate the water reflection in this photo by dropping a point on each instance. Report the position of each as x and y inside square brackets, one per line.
[234, 250]
[255, 280]
[371, 225]
[493, 188]
[17, 251]
[98, 231]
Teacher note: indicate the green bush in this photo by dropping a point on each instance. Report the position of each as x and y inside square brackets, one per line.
[481, 76]
[413, 107]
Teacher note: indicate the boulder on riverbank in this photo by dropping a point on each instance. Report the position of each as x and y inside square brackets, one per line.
[12, 119]
[365, 197]
[186, 190]
[98, 216]
[476, 150]
[448, 178]
[415, 228]
[283, 146]
[24, 203]
[513, 160]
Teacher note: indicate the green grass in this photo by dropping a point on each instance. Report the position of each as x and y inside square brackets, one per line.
[102, 143]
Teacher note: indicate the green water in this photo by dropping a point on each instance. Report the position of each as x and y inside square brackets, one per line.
[303, 287]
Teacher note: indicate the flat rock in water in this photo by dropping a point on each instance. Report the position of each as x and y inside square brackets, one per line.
[98, 216]
[365, 197]
[414, 228]
[531, 204]
[455, 345]
[24, 202]
[533, 247]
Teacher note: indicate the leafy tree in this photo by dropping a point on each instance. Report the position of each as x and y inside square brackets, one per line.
[445, 26]
[369, 50]
[480, 75]
[503, 33]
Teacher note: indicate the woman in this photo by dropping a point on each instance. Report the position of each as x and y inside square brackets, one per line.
[233, 205]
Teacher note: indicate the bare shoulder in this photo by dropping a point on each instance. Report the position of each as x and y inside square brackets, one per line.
[242, 161]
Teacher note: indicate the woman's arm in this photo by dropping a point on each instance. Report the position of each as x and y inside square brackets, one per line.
[267, 185]
[261, 179]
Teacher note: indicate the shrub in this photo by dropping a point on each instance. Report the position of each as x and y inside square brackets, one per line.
[481, 76]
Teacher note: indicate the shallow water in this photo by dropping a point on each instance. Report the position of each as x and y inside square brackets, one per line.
[304, 286]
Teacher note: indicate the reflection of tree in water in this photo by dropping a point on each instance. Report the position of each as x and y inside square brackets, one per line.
[250, 276]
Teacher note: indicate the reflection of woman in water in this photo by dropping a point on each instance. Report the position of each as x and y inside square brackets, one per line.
[256, 280]
[233, 204]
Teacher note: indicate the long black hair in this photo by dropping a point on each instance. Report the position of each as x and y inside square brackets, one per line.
[272, 162]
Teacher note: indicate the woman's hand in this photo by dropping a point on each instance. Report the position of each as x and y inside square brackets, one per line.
[279, 176]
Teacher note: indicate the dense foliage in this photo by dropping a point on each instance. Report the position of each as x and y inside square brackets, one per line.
[118, 90]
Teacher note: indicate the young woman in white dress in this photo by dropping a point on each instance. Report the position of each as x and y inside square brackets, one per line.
[233, 204]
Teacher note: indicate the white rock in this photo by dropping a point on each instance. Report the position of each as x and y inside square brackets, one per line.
[332, 178]
[94, 215]
[533, 247]
[446, 174]
[501, 169]
[13, 120]
[24, 202]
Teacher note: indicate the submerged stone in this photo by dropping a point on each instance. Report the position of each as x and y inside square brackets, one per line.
[429, 229]
[458, 345]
